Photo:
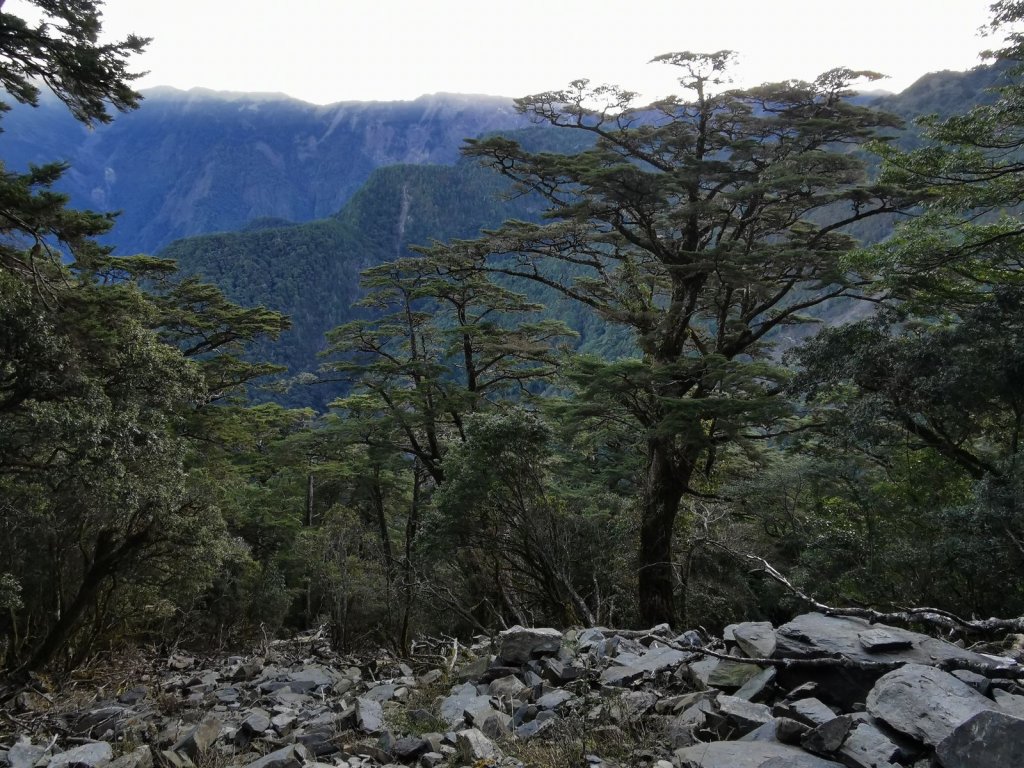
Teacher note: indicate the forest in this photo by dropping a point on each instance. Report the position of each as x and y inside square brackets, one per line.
[809, 357]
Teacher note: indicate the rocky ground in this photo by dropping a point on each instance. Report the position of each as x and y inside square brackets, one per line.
[824, 692]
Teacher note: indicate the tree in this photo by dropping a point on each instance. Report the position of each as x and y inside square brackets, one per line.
[706, 225]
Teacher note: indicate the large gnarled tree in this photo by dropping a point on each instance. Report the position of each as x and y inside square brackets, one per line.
[706, 224]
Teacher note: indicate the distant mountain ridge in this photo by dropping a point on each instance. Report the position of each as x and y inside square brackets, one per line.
[200, 161]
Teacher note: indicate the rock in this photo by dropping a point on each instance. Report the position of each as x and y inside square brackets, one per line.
[829, 736]
[742, 715]
[868, 747]
[924, 703]
[141, 757]
[381, 693]
[519, 644]
[429, 678]
[731, 675]
[408, 748]
[809, 711]
[987, 740]
[554, 699]
[780, 729]
[455, 705]
[472, 746]
[748, 754]
[755, 638]
[257, 722]
[882, 640]
[24, 754]
[133, 695]
[292, 756]
[369, 715]
[200, 738]
[755, 688]
[814, 634]
[510, 685]
[92, 755]
[620, 676]
[1009, 703]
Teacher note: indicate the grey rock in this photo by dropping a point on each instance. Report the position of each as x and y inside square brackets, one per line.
[510, 685]
[1009, 703]
[620, 676]
[25, 754]
[780, 729]
[520, 644]
[829, 736]
[409, 748]
[748, 754]
[868, 747]
[381, 693]
[480, 710]
[755, 688]
[200, 738]
[496, 725]
[369, 715]
[292, 756]
[429, 678]
[454, 705]
[554, 699]
[980, 683]
[257, 722]
[814, 634]
[924, 703]
[742, 715]
[141, 757]
[987, 740]
[472, 745]
[883, 640]
[93, 755]
[755, 638]
[731, 675]
[810, 711]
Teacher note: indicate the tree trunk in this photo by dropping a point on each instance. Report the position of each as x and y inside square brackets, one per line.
[666, 482]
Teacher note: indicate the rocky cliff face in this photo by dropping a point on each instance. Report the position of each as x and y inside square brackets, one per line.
[194, 162]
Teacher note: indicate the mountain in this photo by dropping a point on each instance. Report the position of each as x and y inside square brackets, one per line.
[189, 163]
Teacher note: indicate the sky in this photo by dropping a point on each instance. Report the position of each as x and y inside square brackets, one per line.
[325, 51]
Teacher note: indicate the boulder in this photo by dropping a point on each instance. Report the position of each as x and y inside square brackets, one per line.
[519, 644]
[748, 754]
[369, 715]
[200, 738]
[92, 755]
[924, 703]
[755, 638]
[292, 756]
[472, 746]
[987, 740]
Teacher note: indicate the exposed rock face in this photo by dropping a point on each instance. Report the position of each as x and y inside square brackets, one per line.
[542, 685]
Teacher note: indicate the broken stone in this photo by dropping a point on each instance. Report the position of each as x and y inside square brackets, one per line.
[924, 703]
[748, 754]
[292, 756]
[755, 638]
[93, 755]
[519, 644]
[829, 736]
[987, 740]
[472, 745]
[369, 715]
[882, 641]
[200, 738]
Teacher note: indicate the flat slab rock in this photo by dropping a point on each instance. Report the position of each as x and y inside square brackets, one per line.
[987, 740]
[520, 644]
[814, 634]
[925, 703]
[748, 754]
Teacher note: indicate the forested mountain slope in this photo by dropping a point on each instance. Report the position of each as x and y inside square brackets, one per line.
[195, 162]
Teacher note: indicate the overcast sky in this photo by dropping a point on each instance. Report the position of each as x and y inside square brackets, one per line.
[325, 51]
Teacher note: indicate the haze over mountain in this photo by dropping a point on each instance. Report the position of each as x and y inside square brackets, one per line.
[302, 197]
[200, 161]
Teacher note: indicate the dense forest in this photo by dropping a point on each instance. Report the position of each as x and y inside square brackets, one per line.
[584, 376]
